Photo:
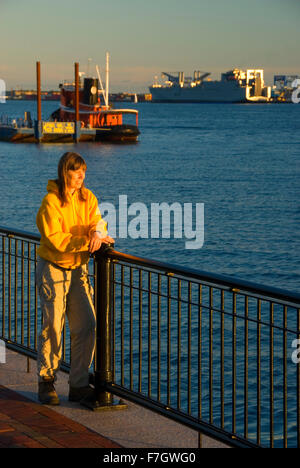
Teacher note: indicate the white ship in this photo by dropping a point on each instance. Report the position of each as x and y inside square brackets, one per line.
[235, 86]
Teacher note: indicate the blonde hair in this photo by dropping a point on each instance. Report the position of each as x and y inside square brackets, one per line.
[69, 162]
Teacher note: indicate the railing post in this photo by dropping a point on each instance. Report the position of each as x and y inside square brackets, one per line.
[103, 370]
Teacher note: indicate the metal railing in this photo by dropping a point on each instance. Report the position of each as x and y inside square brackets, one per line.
[217, 354]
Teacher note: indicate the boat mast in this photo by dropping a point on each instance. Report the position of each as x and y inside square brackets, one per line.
[107, 77]
[101, 85]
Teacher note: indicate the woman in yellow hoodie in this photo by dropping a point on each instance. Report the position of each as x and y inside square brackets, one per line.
[71, 229]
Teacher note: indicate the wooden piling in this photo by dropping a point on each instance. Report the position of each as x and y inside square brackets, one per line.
[38, 89]
[76, 123]
[38, 122]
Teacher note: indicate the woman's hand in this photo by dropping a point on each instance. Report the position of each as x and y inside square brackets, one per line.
[96, 242]
[108, 240]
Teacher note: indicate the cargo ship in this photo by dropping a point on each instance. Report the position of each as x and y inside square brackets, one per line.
[235, 86]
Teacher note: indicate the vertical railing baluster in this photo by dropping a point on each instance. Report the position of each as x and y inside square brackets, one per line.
[35, 300]
[199, 360]
[28, 302]
[28, 296]
[95, 269]
[131, 329]
[210, 355]
[16, 290]
[3, 286]
[158, 336]
[113, 315]
[222, 360]
[169, 345]
[9, 288]
[189, 344]
[22, 294]
[140, 328]
[285, 413]
[258, 342]
[234, 363]
[271, 351]
[122, 325]
[149, 333]
[246, 364]
[179, 345]
[298, 383]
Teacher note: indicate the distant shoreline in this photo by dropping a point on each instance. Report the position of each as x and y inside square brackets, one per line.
[53, 95]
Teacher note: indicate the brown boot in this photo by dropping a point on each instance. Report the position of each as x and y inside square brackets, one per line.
[47, 394]
[82, 393]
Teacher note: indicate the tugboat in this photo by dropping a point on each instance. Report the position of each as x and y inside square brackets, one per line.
[106, 121]
[82, 116]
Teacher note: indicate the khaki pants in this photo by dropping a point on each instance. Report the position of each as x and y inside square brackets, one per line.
[64, 292]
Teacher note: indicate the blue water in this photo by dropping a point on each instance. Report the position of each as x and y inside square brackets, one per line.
[242, 162]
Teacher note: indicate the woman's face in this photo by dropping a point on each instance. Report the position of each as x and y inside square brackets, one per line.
[75, 179]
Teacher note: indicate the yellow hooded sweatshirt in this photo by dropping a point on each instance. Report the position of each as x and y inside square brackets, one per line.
[66, 230]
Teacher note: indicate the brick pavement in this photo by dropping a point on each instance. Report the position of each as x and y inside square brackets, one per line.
[27, 424]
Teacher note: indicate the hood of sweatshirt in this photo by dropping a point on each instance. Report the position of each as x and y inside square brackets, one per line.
[52, 186]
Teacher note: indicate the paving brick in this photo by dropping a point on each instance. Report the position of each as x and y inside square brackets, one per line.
[23, 441]
[73, 441]
[46, 442]
[5, 428]
[27, 424]
[4, 417]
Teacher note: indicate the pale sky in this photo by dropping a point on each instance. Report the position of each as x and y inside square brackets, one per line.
[146, 38]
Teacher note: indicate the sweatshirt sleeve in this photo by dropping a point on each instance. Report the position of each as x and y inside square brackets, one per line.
[96, 222]
[50, 227]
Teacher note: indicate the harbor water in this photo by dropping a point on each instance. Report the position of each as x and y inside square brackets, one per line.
[240, 162]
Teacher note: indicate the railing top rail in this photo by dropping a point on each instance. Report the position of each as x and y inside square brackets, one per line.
[215, 280]
[229, 282]
[19, 233]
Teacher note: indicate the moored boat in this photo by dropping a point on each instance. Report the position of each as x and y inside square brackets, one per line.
[107, 123]
[84, 115]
